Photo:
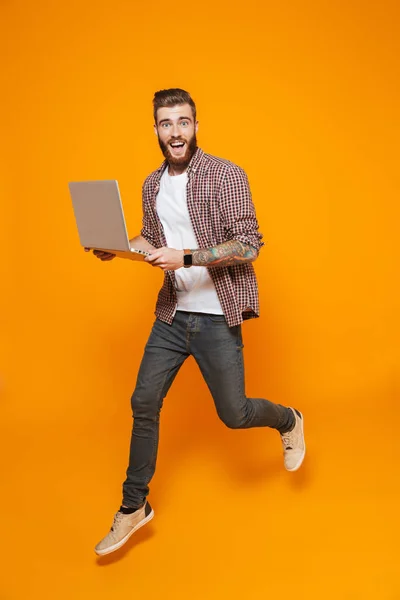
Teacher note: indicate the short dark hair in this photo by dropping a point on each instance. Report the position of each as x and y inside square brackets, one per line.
[172, 97]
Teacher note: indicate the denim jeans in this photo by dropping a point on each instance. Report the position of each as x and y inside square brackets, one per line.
[218, 350]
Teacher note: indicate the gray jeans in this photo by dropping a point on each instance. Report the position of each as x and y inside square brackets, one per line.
[218, 350]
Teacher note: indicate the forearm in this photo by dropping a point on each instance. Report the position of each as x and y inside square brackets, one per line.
[140, 243]
[224, 255]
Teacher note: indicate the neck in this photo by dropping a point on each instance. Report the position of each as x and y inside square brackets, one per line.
[175, 170]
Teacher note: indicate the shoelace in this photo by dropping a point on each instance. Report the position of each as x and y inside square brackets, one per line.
[288, 440]
[118, 517]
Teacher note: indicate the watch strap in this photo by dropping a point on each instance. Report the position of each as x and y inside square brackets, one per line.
[187, 258]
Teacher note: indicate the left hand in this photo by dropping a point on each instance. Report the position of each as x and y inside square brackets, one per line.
[168, 259]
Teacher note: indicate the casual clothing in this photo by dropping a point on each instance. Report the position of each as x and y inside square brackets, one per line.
[195, 290]
[217, 350]
[221, 209]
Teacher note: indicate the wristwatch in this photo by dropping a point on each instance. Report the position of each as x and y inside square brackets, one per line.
[187, 258]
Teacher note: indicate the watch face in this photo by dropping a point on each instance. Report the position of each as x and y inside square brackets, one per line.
[187, 260]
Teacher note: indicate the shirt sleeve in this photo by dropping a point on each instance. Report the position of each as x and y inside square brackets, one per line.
[237, 209]
[147, 231]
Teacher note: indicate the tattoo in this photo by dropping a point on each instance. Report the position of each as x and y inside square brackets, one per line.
[224, 255]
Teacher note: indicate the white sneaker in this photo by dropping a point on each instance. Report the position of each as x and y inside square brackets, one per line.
[294, 447]
[122, 529]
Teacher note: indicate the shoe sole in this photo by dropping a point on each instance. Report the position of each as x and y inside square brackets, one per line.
[297, 467]
[126, 538]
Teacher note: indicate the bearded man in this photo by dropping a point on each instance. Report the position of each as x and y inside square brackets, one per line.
[200, 227]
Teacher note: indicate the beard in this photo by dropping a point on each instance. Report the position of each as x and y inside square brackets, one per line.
[181, 161]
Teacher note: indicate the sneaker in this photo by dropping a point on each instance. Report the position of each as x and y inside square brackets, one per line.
[122, 529]
[294, 447]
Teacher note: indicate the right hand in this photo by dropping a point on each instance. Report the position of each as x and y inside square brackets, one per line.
[101, 255]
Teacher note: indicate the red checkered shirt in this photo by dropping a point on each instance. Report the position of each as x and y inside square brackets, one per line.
[220, 209]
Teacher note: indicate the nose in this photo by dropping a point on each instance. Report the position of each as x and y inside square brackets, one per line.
[175, 130]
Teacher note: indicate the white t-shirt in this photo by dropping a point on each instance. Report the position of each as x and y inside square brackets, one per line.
[195, 289]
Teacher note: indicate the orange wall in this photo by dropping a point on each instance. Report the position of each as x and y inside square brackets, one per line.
[305, 97]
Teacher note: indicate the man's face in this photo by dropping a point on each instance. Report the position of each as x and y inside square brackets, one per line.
[176, 132]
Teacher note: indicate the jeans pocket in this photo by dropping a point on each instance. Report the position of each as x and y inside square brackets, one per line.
[217, 318]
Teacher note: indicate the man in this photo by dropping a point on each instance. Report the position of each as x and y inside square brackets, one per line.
[199, 225]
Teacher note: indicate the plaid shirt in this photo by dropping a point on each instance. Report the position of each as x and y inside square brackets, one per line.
[221, 209]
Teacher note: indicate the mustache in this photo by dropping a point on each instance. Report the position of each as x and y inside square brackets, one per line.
[191, 146]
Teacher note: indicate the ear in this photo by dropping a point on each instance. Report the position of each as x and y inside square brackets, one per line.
[196, 126]
[155, 129]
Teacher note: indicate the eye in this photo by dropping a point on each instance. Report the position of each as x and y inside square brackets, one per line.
[165, 125]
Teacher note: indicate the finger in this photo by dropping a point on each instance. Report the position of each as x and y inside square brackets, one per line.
[107, 255]
[159, 261]
[153, 257]
[87, 249]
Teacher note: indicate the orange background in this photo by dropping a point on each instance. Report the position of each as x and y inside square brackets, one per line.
[304, 96]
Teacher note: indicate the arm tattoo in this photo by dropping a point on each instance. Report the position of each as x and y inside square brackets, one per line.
[224, 255]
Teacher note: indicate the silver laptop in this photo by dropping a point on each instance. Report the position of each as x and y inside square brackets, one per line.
[100, 218]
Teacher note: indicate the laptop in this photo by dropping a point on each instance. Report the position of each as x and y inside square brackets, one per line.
[100, 218]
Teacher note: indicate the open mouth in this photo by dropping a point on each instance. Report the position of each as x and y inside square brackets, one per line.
[177, 148]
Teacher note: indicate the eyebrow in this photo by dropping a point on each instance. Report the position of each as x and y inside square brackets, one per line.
[180, 119]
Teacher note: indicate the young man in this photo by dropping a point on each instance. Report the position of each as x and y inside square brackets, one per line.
[199, 225]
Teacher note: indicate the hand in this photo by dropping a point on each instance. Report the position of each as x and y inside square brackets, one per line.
[168, 259]
[101, 255]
